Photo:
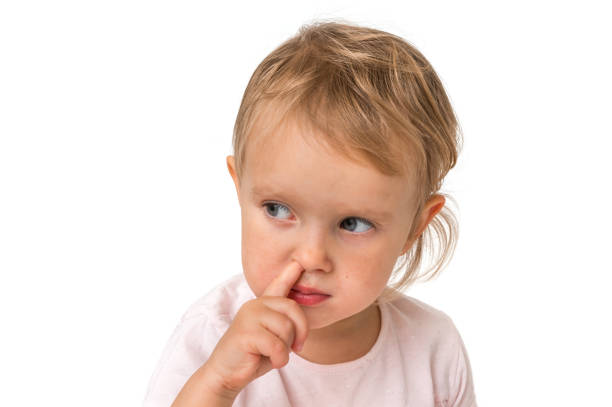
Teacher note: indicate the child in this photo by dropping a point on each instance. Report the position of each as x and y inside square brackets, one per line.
[342, 140]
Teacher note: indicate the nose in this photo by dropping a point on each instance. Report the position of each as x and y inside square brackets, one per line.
[312, 250]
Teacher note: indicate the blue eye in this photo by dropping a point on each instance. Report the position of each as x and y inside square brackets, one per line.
[351, 225]
[273, 210]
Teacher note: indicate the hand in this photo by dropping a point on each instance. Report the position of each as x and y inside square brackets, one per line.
[260, 336]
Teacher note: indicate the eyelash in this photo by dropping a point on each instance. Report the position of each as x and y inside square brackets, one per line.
[371, 224]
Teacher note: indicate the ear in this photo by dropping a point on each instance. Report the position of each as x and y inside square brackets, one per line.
[430, 209]
[231, 167]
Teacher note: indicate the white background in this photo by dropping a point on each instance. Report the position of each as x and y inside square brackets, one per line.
[117, 212]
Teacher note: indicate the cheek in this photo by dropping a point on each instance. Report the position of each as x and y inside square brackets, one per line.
[370, 271]
[261, 255]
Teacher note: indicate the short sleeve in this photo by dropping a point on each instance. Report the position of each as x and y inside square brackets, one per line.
[462, 385]
[184, 353]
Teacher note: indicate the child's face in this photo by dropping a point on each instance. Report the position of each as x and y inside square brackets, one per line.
[304, 203]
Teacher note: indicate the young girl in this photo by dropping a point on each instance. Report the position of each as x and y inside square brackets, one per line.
[341, 144]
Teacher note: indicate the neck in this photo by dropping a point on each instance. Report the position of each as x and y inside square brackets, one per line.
[345, 340]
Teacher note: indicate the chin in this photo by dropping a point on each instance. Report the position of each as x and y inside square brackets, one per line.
[316, 320]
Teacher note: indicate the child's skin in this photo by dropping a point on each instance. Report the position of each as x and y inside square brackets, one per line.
[256, 342]
[313, 218]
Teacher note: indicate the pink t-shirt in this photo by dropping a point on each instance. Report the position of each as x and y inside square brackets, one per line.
[418, 359]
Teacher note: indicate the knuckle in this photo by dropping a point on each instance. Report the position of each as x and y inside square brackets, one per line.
[287, 325]
[246, 307]
[279, 347]
[253, 303]
[298, 312]
[294, 305]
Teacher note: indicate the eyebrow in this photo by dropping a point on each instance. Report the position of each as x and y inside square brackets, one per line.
[368, 213]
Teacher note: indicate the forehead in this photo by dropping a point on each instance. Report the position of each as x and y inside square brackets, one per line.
[293, 163]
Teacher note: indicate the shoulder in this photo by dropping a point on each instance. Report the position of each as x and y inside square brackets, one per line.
[426, 331]
[432, 334]
[221, 303]
[195, 337]
[410, 314]
[207, 318]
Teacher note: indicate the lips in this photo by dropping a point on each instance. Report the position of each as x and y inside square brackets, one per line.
[307, 290]
[310, 299]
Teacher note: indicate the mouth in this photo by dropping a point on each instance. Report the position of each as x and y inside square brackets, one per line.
[306, 290]
[308, 299]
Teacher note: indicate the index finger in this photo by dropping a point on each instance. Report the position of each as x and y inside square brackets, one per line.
[282, 283]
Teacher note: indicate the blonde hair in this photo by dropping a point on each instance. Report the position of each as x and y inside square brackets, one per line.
[373, 97]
